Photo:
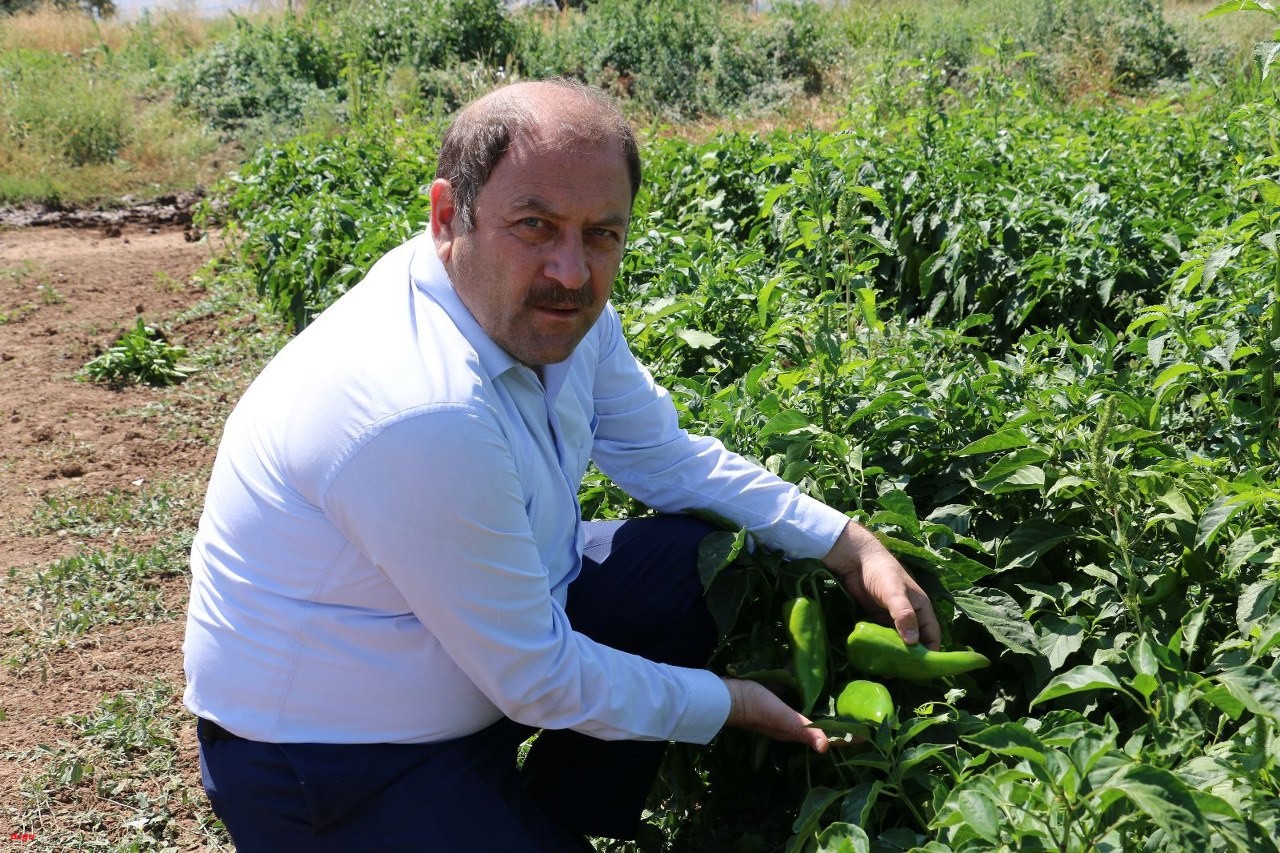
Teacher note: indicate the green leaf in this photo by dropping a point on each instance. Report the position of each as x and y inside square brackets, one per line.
[1239, 6]
[874, 196]
[1253, 687]
[999, 613]
[697, 338]
[980, 812]
[1255, 604]
[1019, 460]
[1267, 52]
[1058, 638]
[900, 503]
[1219, 259]
[1142, 657]
[1007, 439]
[1218, 514]
[1082, 679]
[856, 807]
[1178, 506]
[1165, 799]
[725, 597]
[841, 728]
[1011, 739]
[960, 570]
[1030, 540]
[1245, 546]
[1185, 639]
[786, 421]
[1173, 372]
[843, 837]
[914, 755]
[1026, 477]
[1089, 747]
[716, 552]
[1267, 637]
[1221, 698]
[815, 804]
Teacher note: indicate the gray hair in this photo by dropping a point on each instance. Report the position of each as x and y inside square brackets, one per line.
[487, 128]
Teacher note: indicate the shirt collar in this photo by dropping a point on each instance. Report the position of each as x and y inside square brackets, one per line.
[429, 275]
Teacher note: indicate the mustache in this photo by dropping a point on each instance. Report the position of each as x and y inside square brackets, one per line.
[556, 297]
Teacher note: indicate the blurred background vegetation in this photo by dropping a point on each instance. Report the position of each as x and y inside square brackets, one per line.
[93, 107]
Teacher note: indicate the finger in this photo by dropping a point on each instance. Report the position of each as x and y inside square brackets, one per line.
[903, 614]
[813, 738]
[927, 623]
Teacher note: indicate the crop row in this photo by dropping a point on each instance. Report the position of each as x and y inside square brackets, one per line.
[1034, 349]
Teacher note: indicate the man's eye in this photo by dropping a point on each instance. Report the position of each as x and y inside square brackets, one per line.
[604, 235]
[532, 222]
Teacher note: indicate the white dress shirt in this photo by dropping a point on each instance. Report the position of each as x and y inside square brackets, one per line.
[392, 524]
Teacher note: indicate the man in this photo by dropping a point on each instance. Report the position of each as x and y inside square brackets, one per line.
[392, 587]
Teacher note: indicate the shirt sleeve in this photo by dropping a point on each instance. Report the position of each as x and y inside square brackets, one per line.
[640, 446]
[435, 502]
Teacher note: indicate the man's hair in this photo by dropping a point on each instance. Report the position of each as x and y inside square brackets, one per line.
[486, 129]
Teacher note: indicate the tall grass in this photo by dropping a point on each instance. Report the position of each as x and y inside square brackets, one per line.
[85, 110]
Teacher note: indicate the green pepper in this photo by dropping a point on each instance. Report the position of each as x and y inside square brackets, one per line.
[808, 632]
[864, 701]
[1159, 587]
[877, 650]
[1197, 565]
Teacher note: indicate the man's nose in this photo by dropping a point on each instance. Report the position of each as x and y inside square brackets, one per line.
[567, 262]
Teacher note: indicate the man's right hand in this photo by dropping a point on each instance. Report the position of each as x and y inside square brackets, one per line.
[757, 709]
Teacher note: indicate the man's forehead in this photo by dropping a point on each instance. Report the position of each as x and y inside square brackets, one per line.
[531, 176]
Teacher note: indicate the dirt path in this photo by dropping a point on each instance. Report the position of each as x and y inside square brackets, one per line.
[70, 453]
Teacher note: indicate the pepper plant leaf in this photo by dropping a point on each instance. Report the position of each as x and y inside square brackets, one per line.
[1253, 687]
[997, 611]
[1082, 679]
[1012, 739]
[1030, 540]
[1165, 799]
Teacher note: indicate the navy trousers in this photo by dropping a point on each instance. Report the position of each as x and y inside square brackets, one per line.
[638, 592]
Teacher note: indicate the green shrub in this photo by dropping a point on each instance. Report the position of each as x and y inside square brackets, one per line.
[313, 214]
[679, 60]
[268, 72]
[425, 34]
[1129, 46]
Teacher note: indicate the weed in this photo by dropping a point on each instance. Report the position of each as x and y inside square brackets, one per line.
[49, 295]
[17, 315]
[114, 513]
[141, 355]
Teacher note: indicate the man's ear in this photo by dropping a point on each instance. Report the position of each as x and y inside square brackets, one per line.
[443, 215]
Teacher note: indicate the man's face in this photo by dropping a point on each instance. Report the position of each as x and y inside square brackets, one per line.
[537, 268]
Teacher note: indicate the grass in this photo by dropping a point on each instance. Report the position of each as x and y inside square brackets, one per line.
[120, 769]
[85, 115]
[117, 512]
[89, 590]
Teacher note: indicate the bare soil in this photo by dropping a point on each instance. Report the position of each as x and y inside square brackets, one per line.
[65, 295]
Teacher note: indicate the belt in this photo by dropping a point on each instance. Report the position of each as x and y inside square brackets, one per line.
[209, 730]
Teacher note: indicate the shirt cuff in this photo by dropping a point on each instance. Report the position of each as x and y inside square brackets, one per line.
[811, 530]
[708, 706]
